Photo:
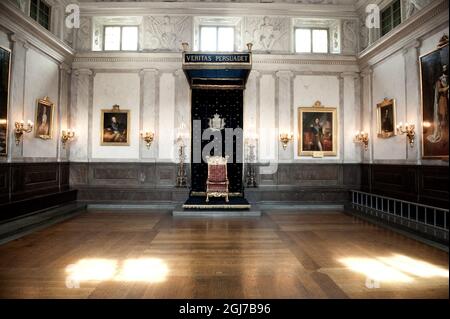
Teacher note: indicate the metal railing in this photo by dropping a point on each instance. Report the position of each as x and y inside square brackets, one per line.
[434, 218]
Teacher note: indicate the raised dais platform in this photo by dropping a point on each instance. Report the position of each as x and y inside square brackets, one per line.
[216, 207]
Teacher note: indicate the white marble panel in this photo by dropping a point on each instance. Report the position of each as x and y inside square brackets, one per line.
[121, 89]
[307, 90]
[268, 142]
[166, 136]
[389, 82]
[41, 80]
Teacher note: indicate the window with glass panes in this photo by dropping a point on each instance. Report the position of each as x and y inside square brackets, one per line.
[216, 38]
[309, 40]
[120, 38]
[40, 11]
[391, 17]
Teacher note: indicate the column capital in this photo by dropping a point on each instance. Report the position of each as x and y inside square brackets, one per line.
[142, 72]
[354, 75]
[367, 71]
[13, 37]
[26, 46]
[87, 72]
[255, 74]
[65, 67]
[284, 73]
[414, 44]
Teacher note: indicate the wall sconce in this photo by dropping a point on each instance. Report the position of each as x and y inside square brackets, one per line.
[285, 138]
[148, 137]
[20, 128]
[362, 138]
[249, 47]
[407, 129]
[66, 136]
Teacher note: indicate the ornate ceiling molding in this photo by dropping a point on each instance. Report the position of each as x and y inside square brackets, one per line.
[96, 59]
[218, 9]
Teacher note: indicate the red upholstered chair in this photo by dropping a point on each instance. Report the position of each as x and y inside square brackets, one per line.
[217, 182]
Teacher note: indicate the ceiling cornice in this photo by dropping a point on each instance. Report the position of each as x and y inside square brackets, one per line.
[428, 19]
[218, 9]
[25, 28]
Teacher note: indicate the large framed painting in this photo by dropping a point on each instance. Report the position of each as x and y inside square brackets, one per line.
[386, 118]
[115, 127]
[434, 89]
[44, 119]
[317, 131]
[5, 70]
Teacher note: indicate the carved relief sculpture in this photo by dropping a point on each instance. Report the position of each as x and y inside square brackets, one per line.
[84, 34]
[166, 33]
[349, 39]
[267, 33]
[412, 6]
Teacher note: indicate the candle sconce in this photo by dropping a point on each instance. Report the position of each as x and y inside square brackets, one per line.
[21, 128]
[285, 138]
[148, 137]
[67, 136]
[407, 129]
[362, 138]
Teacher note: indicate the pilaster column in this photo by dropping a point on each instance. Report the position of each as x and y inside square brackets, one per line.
[412, 94]
[63, 114]
[149, 110]
[350, 117]
[79, 114]
[182, 108]
[17, 94]
[285, 112]
[368, 113]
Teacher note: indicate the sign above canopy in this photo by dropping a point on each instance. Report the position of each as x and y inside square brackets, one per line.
[217, 70]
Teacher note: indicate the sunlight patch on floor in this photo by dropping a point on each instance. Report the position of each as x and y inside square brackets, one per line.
[395, 268]
[150, 270]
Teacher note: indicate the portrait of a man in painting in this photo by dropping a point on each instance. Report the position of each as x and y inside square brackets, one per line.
[44, 119]
[115, 127]
[386, 118]
[435, 94]
[5, 58]
[317, 130]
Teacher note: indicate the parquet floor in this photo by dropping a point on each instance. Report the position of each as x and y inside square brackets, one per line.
[126, 254]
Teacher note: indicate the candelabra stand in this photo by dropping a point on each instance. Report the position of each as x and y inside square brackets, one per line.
[181, 172]
[250, 178]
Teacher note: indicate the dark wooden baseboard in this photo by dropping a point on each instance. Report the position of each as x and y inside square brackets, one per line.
[36, 203]
[416, 183]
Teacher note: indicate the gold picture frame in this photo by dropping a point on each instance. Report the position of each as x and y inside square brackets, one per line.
[434, 105]
[115, 127]
[44, 118]
[317, 131]
[386, 118]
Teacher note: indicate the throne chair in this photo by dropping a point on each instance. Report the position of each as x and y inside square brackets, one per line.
[217, 181]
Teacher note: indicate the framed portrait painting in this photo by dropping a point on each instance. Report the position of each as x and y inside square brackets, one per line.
[115, 127]
[317, 131]
[386, 118]
[434, 89]
[44, 119]
[5, 68]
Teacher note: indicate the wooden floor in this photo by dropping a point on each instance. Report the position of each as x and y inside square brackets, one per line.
[152, 255]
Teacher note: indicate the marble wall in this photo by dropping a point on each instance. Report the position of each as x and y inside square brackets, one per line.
[35, 75]
[396, 75]
[161, 100]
